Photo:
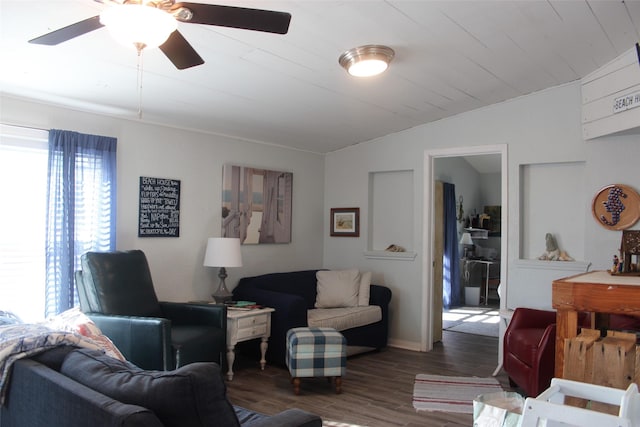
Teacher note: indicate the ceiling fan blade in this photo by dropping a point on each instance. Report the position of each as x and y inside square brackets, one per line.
[237, 17]
[69, 32]
[180, 52]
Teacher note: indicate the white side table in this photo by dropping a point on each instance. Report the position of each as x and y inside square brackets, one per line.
[244, 325]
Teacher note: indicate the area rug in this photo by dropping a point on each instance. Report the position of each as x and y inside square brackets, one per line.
[338, 424]
[450, 394]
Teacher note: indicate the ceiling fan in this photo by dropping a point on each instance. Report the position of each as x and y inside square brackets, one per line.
[168, 13]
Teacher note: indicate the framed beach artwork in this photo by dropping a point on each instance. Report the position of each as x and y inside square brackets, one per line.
[345, 222]
[256, 204]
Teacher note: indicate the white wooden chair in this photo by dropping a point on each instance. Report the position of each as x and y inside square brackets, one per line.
[549, 406]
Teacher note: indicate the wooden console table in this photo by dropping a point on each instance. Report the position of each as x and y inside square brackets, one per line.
[595, 292]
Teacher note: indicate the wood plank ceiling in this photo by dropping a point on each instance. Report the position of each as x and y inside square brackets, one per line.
[451, 57]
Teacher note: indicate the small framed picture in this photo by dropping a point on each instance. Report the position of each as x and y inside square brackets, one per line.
[345, 222]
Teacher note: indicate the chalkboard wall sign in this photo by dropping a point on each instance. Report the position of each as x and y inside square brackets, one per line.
[159, 207]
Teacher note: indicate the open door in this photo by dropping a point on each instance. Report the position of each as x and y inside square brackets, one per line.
[438, 252]
[434, 235]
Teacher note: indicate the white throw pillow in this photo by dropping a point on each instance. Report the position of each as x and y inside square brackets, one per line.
[363, 293]
[337, 288]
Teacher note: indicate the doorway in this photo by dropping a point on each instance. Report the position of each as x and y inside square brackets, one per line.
[481, 157]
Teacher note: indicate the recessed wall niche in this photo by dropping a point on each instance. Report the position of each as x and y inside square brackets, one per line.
[391, 217]
[552, 201]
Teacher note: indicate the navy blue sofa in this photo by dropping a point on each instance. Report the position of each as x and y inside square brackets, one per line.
[291, 294]
[84, 388]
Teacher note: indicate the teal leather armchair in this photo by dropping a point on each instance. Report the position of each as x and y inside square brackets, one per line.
[116, 291]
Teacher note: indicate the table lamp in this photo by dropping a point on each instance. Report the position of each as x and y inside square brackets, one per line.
[222, 252]
[466, 241]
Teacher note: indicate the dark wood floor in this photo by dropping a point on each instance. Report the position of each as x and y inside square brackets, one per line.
[378, 387]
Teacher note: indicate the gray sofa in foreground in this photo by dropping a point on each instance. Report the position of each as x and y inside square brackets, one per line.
[67, 386]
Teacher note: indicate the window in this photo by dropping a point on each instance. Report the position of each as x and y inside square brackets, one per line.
[39, 252]
[81, 175]
[23, 189]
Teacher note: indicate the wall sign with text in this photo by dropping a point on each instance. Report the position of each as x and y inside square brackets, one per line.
[159, 207]
[626, 102]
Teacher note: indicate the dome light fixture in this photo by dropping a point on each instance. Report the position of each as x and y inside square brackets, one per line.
[138, 25]
[366, 61]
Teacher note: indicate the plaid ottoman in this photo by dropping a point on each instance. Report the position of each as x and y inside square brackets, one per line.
[316, 352]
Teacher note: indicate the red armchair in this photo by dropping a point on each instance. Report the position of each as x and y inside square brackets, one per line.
[530, 344]
[529, 349]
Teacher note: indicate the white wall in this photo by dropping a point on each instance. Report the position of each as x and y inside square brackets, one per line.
[540, 128]
[391, 210]
[544, 127]
[610, 160]
[196, 159]
[490, 184]
[550, 202]
[457, 171]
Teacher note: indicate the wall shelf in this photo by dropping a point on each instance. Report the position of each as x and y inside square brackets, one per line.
[578, 266]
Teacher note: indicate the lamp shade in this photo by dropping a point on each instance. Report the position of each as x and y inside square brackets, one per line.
[466, 239]
[223, 252]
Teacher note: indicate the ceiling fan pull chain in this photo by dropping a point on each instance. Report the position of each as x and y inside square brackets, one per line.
[139, 82]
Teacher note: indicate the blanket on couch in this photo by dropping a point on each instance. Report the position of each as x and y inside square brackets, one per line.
[22, 340]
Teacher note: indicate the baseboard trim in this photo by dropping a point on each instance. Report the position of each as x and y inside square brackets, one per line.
[405, 345]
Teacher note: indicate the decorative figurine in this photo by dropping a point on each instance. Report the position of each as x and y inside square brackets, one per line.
[552, 252]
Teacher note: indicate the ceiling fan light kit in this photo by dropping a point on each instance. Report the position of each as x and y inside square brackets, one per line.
[366, 61]
[138, 25]
[153, 23]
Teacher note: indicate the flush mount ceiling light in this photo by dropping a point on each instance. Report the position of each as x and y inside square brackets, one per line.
[366, 61]
[138, 25]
